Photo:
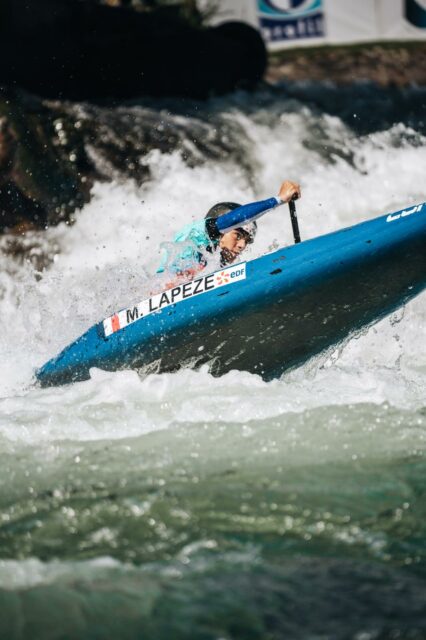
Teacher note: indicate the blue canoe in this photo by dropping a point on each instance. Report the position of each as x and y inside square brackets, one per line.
[266, 315]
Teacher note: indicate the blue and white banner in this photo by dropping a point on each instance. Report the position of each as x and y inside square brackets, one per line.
[415, 13]
[291, 19]
[300, 23]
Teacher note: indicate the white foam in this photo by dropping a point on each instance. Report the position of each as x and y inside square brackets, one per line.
[106, 261]
[31, 572]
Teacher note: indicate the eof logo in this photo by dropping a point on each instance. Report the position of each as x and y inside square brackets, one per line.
[290, 6]
[222, 278]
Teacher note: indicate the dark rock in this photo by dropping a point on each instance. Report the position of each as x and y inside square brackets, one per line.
[51, 153]
[45, 171]
[39, 182]
[81, 51]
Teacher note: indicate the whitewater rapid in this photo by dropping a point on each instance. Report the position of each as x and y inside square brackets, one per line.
[359, 407]
[108, 258]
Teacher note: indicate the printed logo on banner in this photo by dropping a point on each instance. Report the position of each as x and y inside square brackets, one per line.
[291, 19]
[171, 296]
[415, 12]
[222, 278]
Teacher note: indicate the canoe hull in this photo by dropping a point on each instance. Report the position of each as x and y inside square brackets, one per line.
[292, 304]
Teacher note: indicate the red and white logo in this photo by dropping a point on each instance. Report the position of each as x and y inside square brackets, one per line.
[222, 278]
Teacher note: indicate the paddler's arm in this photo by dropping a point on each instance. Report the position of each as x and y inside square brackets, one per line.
[248, 212]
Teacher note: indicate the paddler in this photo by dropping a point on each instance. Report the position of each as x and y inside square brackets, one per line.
[228, 227]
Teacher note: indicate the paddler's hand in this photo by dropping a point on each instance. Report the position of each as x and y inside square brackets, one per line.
[289, 191]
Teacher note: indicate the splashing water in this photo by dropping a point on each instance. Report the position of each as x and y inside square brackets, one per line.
[167, 493]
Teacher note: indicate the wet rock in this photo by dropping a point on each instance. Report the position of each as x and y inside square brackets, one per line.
[39, 183]
[28, 247]
[52, 152]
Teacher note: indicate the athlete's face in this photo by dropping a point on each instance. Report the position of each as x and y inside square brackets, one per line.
[232, 244]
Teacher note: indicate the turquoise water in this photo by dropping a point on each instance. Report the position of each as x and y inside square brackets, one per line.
[307, 524]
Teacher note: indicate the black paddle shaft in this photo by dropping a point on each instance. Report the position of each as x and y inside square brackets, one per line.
[294, 222]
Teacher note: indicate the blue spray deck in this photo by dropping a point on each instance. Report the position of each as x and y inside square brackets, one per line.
[266, 315]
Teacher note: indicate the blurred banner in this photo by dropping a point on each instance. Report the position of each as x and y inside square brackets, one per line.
[293, 23]
[291, 20]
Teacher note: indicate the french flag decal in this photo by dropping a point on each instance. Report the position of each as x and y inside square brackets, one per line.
[112, 324]
[115, 323]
